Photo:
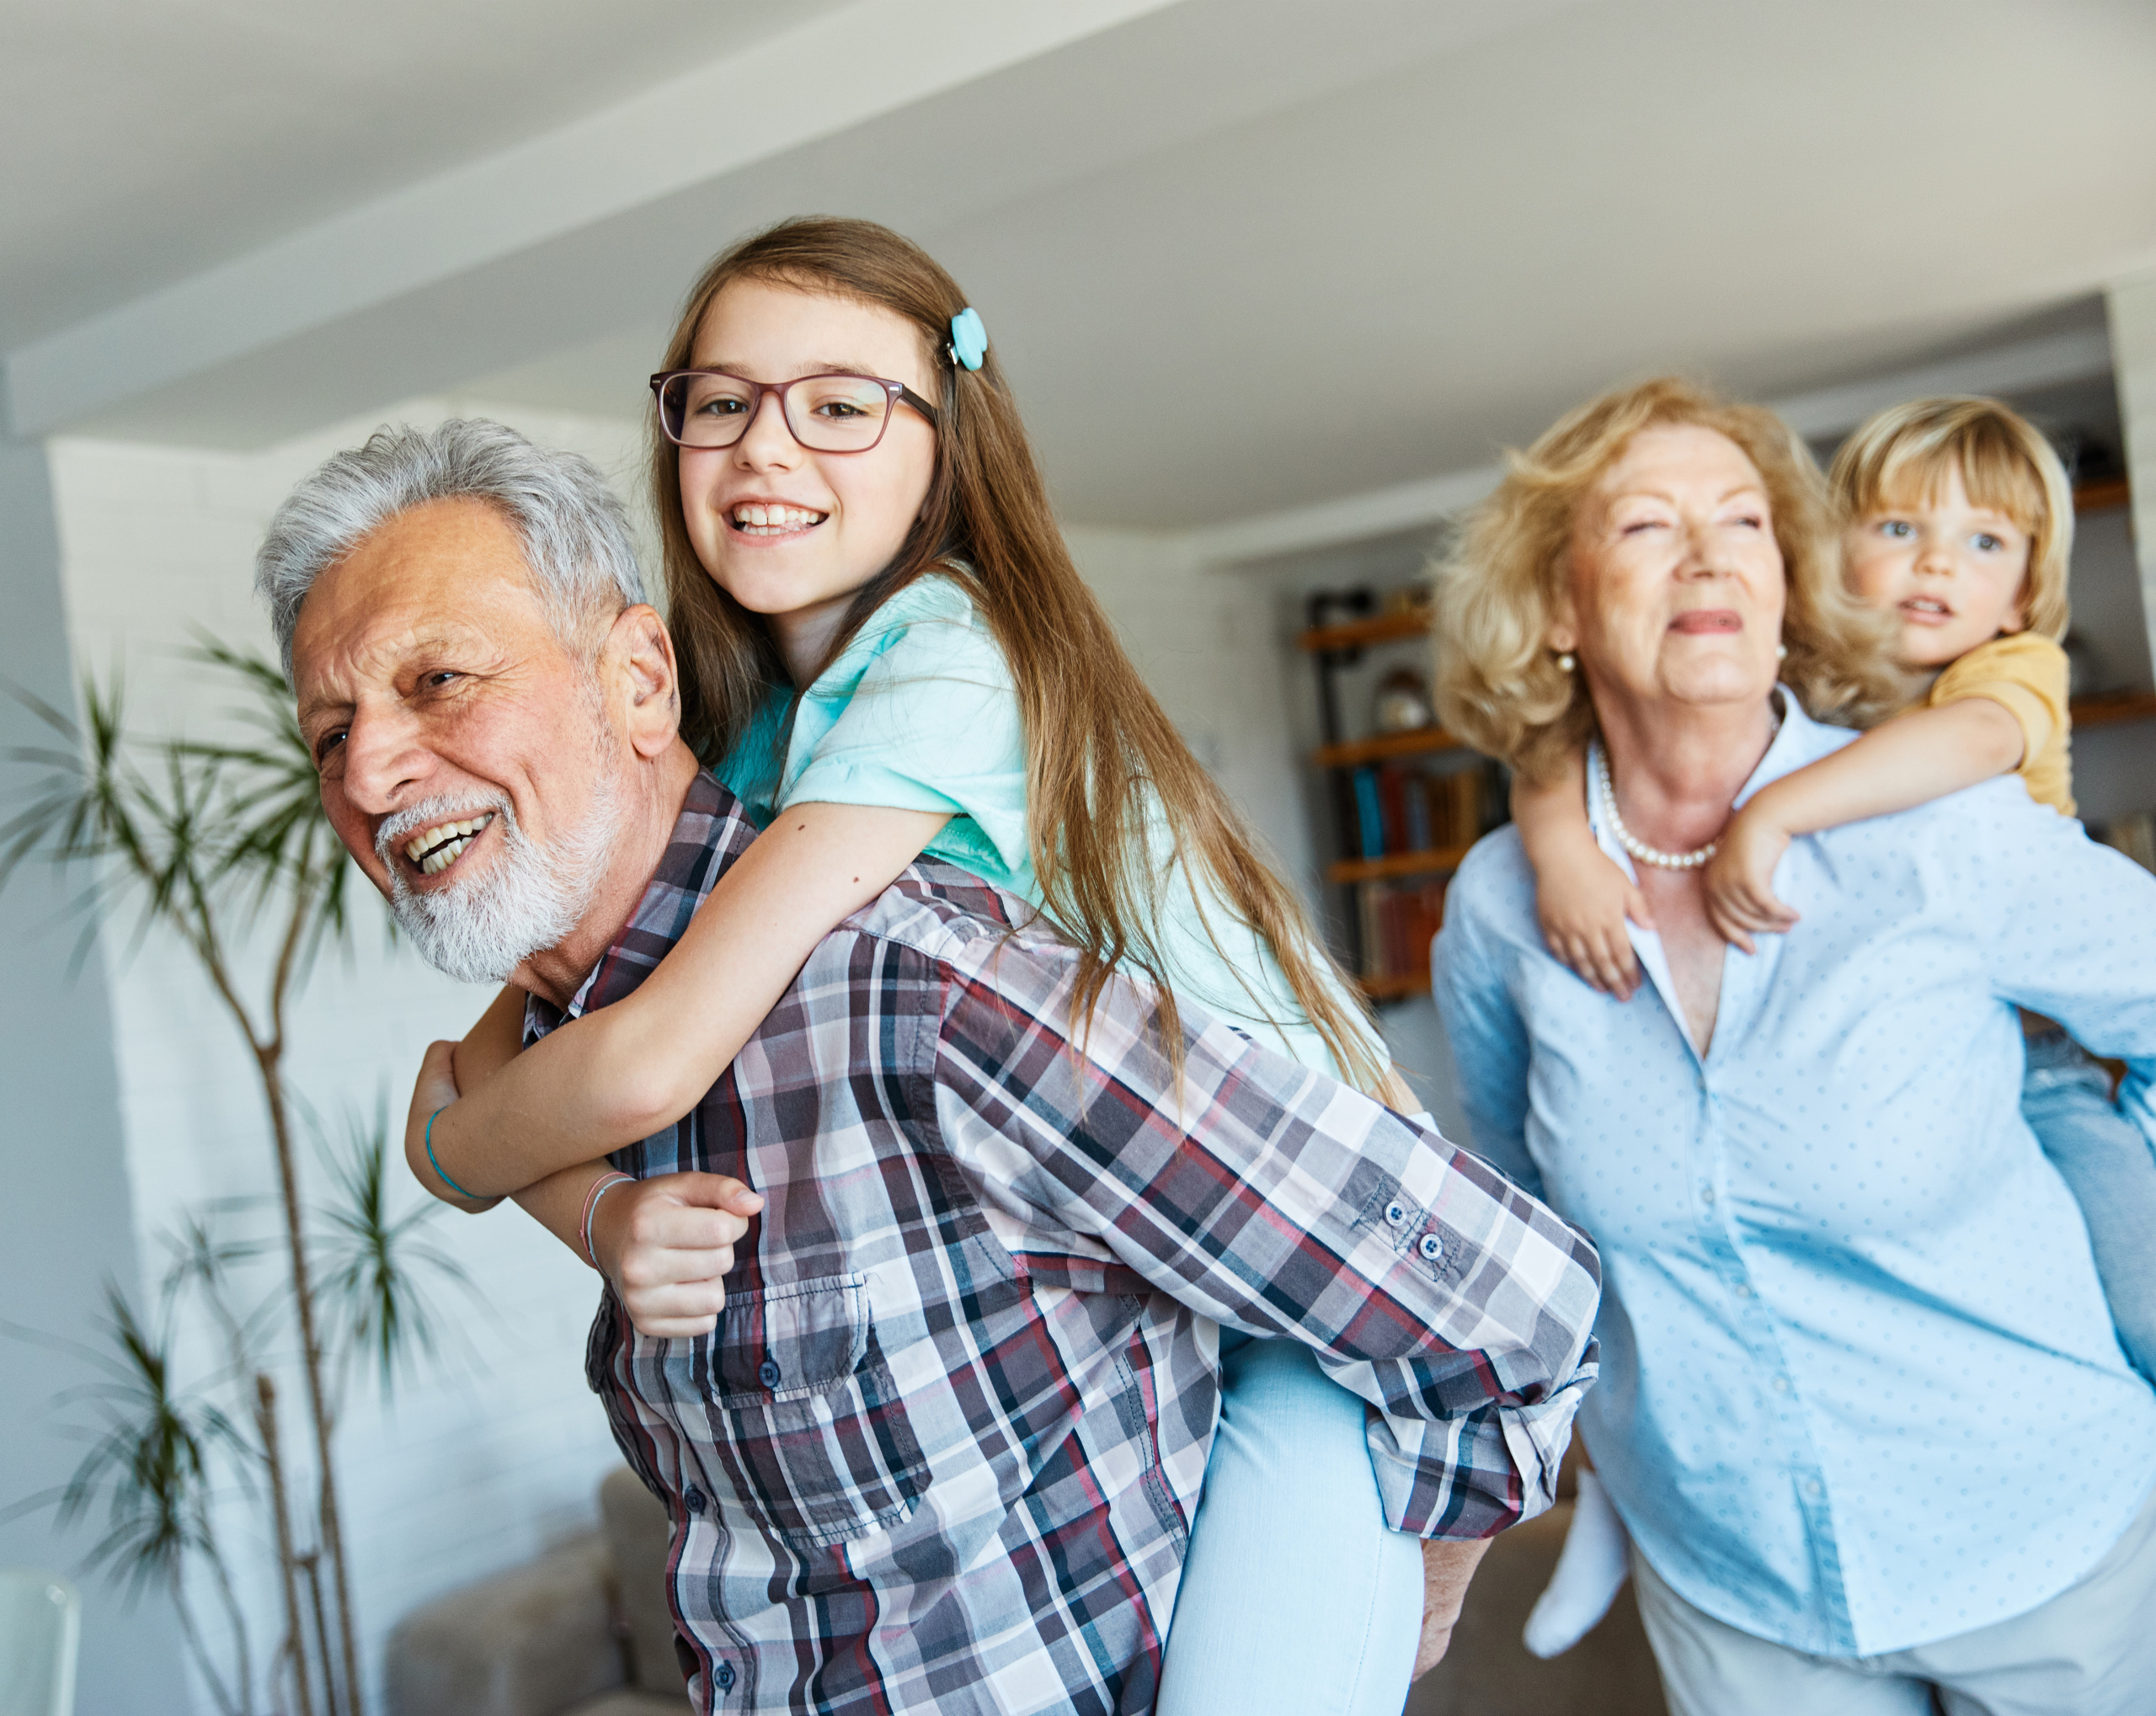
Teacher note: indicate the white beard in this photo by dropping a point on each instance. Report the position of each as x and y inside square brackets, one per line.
[481, 928]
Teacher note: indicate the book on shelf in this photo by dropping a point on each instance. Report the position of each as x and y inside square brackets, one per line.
[1369, 814]
[1398, 920]
[1400, 808]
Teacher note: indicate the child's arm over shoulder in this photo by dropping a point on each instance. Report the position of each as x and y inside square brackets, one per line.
[494, 1043]
[628, 1070]
[1581, 898]
[1920, 755]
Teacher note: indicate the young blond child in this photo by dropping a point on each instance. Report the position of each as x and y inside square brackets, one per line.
[1960, 522]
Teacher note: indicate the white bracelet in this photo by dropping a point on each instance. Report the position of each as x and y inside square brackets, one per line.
[591, 1208]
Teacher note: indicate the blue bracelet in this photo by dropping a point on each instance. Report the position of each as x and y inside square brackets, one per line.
[445, 1180]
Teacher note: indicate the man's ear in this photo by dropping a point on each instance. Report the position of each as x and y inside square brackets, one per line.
[642, 679]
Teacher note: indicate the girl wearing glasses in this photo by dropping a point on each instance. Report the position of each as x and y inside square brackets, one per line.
[889, 653]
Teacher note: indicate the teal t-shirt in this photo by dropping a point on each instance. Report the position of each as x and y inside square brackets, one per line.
[920, 712]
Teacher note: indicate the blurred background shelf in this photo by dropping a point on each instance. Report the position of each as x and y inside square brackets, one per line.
[1416, 742]
[1397, 986]
[2113, 707]
[1433, 863]
[1357, 634]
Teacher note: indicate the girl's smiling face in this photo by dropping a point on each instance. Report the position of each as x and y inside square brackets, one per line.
[788, 533]
[1950, 571]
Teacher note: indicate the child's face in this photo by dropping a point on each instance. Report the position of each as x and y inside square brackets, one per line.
[1950, 571]
[831, 521]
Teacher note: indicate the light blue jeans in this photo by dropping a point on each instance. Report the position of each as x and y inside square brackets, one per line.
[1296, 1599]
[2108, 1166]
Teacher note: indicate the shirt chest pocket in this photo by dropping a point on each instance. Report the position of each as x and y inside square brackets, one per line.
[817, 1439]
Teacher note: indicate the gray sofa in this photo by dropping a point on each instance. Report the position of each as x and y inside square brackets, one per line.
[585, 1631]
[582, 1631]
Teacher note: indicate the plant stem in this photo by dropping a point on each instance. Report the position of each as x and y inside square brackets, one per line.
[191, 1635]
[310, 1564]
[237, 1621]
[269, 1056]
[265, 1415]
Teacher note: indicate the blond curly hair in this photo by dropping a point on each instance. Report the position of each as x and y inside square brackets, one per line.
[1902, 456]
[1498, 685]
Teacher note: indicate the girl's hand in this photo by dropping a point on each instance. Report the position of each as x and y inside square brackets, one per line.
[436, 1090]
[666, 1244]
[1739, 881]
[1582, 905]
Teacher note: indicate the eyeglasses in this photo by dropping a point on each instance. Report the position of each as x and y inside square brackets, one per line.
[825, 413]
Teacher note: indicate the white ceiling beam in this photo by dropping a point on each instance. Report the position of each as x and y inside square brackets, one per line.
[930, 112]
[2041, 362]
[867, 60]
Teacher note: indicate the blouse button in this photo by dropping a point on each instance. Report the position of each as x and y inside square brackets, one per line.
[767, 1373]
[1396, 1214]
[1432, 1248]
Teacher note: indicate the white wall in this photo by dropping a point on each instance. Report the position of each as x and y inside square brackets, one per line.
[66, 1232]
[1208, 644]
[480, 1464]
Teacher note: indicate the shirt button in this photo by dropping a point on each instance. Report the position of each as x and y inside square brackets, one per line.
[1431, 1247]
[1814, 1489]
[693, 1499]
[724, 1674]
[1396, 1214]
[1707, 1195]
[767, 1373]
[1744, 1290]
[1781, 1385]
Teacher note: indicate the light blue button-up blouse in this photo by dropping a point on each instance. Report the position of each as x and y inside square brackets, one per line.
[1860, 1388]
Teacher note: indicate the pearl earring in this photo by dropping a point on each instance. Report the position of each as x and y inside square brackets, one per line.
[1781, 652]
[1565, 664]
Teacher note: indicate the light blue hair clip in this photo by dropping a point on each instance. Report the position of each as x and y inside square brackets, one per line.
[968, 337]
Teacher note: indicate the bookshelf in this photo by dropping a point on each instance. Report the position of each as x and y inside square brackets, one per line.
[1395, 882]
[1406, 805]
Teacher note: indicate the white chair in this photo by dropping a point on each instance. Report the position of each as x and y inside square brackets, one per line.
[41, 1625]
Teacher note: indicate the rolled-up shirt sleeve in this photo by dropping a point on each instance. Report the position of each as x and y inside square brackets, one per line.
[1281, 1203]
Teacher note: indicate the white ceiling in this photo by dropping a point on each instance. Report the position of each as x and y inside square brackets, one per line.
[165, 135]
[1241, 255]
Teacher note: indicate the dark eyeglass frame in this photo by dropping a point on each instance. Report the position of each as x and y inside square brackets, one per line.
[900, 393]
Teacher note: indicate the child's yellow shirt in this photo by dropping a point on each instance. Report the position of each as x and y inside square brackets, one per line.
[2026, 674]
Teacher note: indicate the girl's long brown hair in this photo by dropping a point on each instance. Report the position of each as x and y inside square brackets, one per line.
[1095, 739]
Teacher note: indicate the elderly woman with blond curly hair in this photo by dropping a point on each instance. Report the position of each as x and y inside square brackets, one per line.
[1862, 1411]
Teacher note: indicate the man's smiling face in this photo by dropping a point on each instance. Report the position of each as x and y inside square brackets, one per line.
[465, 754]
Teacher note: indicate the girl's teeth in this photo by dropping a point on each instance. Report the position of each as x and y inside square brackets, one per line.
[773, 520]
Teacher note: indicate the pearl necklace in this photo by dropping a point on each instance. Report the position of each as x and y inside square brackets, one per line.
[1606, 793]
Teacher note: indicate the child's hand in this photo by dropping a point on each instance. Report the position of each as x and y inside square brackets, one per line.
[666, 1244]
[1582, 906]
[1739, 879]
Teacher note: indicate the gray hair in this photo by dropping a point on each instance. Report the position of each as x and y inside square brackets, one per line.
[575, 532]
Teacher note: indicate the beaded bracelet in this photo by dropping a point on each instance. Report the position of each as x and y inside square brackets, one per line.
[600, 1188]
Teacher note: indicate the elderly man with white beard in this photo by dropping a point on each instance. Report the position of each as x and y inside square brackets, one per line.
[967, 1253]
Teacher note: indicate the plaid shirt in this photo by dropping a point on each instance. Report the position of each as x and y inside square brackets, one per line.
[943, 1450]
